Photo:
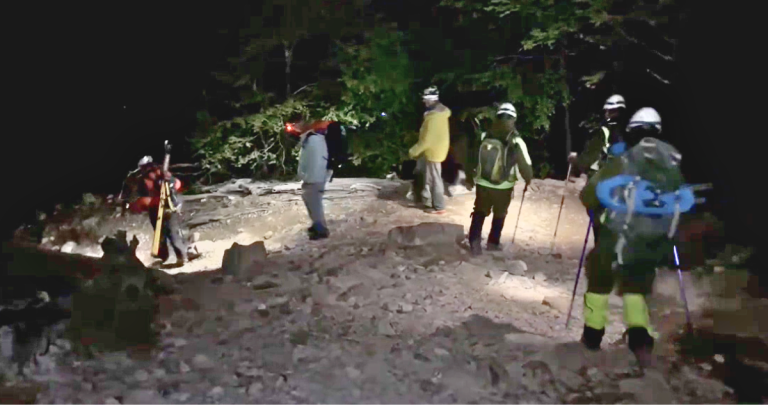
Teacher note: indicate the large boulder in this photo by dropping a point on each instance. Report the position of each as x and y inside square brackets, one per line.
[426, 233]
[240, 259]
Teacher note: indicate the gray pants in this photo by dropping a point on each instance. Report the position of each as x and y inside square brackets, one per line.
[434, 189]
[313, 199]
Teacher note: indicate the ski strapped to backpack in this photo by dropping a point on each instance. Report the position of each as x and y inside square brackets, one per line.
[637, 206]
[497, 159]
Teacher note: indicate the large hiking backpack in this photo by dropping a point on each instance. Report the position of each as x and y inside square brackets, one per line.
[496, 160]
[646, 200]
[338, 148]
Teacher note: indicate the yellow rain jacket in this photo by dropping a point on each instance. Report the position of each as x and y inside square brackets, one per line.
[434, 136]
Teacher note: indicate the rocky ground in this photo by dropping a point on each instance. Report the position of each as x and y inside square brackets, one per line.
[369, 316]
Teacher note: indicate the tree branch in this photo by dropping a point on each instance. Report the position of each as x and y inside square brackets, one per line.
[297, 91]
[644, 45]
[661, 79]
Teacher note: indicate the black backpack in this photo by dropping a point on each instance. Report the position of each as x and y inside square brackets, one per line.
[338, 148]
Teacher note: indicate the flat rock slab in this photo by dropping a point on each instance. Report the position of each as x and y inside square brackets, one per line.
[426, 233]
[240, 258]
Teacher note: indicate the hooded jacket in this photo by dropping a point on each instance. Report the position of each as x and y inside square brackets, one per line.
[434, 135]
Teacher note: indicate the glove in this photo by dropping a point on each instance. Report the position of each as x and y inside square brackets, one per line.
[572, 158]
[470, 182]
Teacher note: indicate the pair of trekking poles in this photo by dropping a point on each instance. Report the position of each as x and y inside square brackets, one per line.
[689, 324]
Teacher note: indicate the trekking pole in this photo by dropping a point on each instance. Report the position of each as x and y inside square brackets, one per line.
[518, 213]
[578, 272]
[562, 202]
[688, 324]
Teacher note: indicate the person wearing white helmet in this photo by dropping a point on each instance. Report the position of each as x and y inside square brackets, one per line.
[431, 151]
[503, 156]
[150, 177]
[599, 147]
[628, 251]
[646, 122]
[611, 132]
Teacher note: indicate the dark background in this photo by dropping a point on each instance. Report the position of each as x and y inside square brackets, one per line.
[70, 70]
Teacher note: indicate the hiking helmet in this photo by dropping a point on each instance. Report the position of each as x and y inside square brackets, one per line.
[145, 161]
[646, 123]
[614, 101]
[507, 109]
[645, 118]
[431, 93]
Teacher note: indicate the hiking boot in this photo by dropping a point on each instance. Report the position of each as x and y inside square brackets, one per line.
[319, 235]
[475, 230]
[494, 247]
[474, 248]
[317, 232]
[641, 344]
[591, 338]
[494, 238]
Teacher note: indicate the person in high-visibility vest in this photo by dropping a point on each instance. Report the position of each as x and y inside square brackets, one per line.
[598, 148]
[502, 160]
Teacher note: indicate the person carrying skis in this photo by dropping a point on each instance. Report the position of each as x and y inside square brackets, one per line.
[150, 180]
[431, 151]
[502, 155]
[632, 243]
[601, 145]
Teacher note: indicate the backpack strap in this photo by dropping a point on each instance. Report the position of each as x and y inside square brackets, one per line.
[620, 248]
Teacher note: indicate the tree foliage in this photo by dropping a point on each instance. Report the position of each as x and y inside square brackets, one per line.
[379, 74]
[377, 80]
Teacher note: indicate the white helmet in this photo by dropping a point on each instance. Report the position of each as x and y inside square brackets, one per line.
[614, 101]
[508, 109]
[431, 93]
[145, 160]
[645, 117]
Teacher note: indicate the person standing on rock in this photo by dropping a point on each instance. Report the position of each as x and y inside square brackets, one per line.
[151, 176]
[313, 172]
[431, 151]
[502, 155]
[603, 143]
[630, 249]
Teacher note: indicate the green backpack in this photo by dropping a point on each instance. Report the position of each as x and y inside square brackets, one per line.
[497, 160]
[645, 200]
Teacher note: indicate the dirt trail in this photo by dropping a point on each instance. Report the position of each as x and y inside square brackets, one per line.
[344, 320]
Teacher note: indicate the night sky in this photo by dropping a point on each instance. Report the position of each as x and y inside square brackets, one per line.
[94, 88]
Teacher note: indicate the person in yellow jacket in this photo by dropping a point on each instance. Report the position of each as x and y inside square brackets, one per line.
[432, 150]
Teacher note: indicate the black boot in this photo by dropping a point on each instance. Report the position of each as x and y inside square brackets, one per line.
[494, 238]
[591, 338]
[475, 233]
[318, 231]
[641, 344]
